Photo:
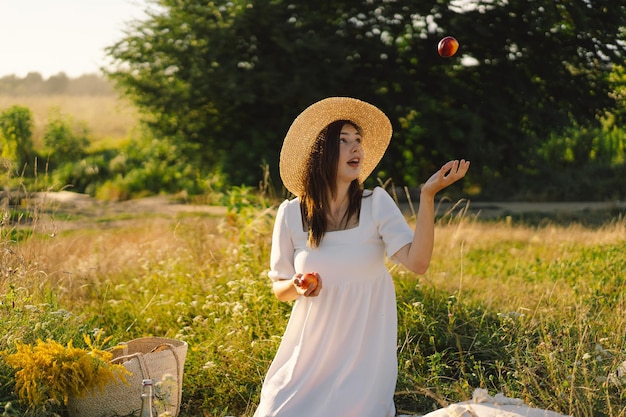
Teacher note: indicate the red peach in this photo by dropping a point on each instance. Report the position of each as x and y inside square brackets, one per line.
[306, 280]
[448, 46]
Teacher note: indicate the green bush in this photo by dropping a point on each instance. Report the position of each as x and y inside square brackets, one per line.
[16, 142]
[63, 141]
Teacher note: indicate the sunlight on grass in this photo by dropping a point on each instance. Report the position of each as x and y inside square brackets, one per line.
[109, 118]
[537, 313]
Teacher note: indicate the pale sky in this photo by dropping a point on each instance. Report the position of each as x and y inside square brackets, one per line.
[52, 36]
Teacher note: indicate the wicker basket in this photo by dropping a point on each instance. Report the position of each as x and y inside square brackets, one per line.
[156, 358]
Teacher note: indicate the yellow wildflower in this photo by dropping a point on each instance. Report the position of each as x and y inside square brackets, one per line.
[50, 371]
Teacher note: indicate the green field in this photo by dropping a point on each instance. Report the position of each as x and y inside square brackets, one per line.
[535, 312]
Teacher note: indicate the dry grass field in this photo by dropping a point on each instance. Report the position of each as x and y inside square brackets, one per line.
[536, 312]
[109, 119]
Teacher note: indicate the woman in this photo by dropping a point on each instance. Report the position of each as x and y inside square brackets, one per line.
[338, 353]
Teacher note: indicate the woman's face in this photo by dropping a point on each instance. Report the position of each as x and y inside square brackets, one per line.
[350, 154]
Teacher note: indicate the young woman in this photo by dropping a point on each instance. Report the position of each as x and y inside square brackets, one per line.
[338, 356]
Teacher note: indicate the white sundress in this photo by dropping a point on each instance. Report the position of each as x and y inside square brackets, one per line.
[338, 356]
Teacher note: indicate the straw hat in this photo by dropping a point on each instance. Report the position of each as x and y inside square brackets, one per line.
[375, 130]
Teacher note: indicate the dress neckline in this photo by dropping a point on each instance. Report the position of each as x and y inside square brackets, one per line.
[366, 193]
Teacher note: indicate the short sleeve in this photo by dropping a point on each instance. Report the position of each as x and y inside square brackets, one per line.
[392, 226]
[282, 253]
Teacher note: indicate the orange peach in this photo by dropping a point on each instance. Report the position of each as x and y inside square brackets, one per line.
[306, 280]
[448, 46]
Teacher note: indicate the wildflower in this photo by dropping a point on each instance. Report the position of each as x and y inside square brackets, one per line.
[50, 371]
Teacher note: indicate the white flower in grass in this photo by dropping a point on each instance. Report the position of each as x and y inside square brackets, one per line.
[238, 309]
[618, 376]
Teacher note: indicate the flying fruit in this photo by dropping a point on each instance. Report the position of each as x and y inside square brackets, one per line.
[448, 46]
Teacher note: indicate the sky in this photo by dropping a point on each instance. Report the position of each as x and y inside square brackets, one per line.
[53, 36]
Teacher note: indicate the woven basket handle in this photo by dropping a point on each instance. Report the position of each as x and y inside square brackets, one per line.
[172, 348]
[145, 372]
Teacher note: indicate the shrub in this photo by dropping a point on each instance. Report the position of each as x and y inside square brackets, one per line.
[16, 143]
[64, 143]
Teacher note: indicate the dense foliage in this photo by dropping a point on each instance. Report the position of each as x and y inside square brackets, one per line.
[224, 79]
[16, 143]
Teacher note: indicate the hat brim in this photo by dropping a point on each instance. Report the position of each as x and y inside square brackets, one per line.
[375, 128]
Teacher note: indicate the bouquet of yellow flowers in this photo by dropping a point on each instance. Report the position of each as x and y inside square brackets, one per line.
[50, 371]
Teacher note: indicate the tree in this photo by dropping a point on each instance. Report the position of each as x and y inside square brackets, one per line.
[57, 84]
[540, 68]
[224, 79]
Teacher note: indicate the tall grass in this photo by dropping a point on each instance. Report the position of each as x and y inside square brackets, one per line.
[537, 313]
[109, 118]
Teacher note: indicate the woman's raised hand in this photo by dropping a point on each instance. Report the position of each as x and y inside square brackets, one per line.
[448, 174]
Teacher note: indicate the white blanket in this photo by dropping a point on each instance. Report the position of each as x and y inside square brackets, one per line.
[484, 405]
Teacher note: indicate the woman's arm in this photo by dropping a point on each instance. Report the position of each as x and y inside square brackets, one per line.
[417, 254]
[288, 290]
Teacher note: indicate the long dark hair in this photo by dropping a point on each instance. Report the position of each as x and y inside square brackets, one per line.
[320, 184]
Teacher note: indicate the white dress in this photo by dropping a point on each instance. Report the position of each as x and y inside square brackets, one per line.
[338, 356]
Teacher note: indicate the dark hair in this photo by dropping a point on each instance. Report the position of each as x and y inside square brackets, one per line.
[320, 184]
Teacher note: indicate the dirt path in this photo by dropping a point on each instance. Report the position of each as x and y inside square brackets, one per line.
[488, 210]
[69, 210]
[66, 210]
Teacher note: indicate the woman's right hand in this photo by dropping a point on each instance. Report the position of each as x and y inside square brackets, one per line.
[448, 174]
[309, 284]
[289, 290]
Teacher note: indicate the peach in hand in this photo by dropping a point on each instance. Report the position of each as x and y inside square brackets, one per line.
[306, 280]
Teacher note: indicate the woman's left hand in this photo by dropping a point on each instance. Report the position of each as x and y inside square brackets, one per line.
[448, 174]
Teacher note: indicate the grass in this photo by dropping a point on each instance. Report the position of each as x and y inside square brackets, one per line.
[108, 118]
[535, 312]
